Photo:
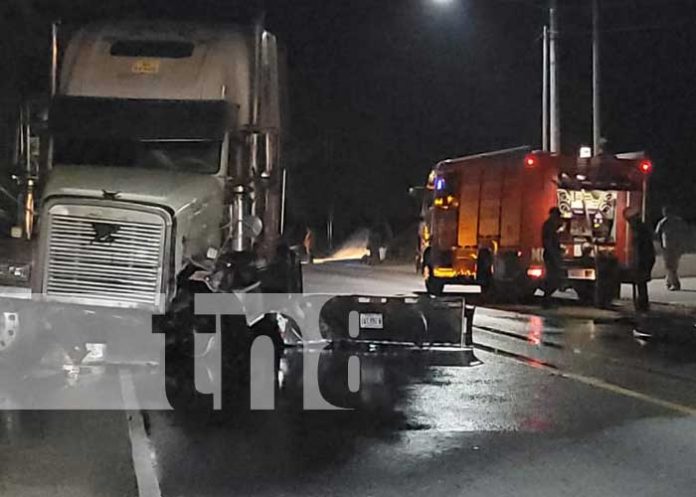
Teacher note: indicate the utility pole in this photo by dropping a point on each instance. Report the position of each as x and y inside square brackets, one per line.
[555, 127]
[54, 57]
[596, 102]
[545, 92]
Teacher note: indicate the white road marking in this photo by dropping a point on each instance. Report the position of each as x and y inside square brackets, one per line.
[598, 383]
[627, 392]
[141, 450]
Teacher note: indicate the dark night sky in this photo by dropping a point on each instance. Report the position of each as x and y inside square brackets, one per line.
[383, 89]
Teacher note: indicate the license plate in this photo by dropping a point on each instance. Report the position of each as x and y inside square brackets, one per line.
[582, 274]
[145, 66]
[95, 352]
[371, 321]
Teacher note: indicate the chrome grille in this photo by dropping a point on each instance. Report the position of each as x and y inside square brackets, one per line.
[114, 261]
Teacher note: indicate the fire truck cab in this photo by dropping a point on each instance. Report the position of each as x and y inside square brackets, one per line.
[482, 218]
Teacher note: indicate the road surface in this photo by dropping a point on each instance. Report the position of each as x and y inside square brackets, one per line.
[564, 402]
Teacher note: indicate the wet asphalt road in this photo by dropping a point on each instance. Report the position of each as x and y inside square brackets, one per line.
[563, 402]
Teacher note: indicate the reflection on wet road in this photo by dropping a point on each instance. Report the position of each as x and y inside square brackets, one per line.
[559, 403]
[418, 426]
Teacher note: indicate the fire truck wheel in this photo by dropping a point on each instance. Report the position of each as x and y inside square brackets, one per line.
[434, 286]
[585, 291]
[484, 273]
[525, 293]
[589, 294]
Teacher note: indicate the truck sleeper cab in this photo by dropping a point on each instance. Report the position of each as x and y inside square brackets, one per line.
[163, 160]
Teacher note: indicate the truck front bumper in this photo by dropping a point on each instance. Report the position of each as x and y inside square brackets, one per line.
[125, 335]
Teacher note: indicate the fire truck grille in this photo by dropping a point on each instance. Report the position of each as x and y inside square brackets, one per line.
[111, 261]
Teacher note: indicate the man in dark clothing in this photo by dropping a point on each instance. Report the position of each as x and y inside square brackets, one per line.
[553, 253]
[308, 243]
[641, 258]
[374, 242]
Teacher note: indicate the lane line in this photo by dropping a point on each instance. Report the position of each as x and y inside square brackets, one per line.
[517, 336]
[141, 453]
[591, 381]
[613, 360]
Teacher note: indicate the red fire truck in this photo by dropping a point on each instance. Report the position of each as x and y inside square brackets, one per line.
[483, 214]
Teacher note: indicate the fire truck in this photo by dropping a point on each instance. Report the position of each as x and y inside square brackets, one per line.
[482, 218]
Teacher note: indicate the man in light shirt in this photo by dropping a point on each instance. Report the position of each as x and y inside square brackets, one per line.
[671, 231]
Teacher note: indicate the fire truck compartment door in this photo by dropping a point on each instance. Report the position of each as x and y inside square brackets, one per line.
[469, 205]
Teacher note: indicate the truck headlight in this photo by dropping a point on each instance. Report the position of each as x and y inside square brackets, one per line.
[20, 272]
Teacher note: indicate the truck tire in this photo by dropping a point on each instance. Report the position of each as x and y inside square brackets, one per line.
[525, 291]
[285, 273]
[484, 271]
[599, 294]
[180, 326]
[297, 278]
[585, 291]
[608, 282]
[434, 286]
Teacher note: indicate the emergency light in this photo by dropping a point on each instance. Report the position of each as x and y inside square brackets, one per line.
[531, 161]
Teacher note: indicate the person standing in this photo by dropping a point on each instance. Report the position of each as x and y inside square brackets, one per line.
[308, 243]
[553, 253]
[671, 232]
[641, 258]
[374, 243]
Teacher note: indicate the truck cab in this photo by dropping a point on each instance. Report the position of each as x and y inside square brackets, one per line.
[162, 160]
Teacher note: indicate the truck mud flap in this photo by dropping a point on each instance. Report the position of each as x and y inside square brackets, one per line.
[412, 321]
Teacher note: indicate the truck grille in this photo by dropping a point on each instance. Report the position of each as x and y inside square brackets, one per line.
[114, 261]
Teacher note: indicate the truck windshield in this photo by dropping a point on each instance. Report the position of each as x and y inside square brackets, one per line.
[194, 156]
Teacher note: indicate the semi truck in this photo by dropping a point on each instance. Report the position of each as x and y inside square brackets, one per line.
[482, 218]
[158, 177]
[160, 170]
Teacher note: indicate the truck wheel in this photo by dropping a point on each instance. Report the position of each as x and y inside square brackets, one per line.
[484, 271]
[434, 286]
[599, 294]
[297, 278]
[525, 292]
[285, 274]
[181, 355]
[585, 291]
[607, 291]
[608, 282]
[269, 326]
